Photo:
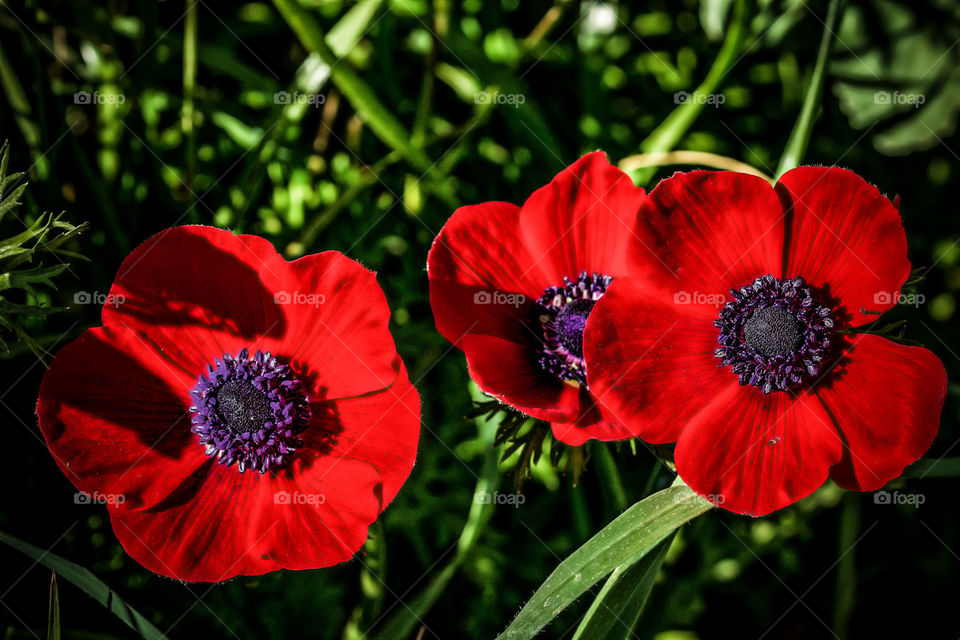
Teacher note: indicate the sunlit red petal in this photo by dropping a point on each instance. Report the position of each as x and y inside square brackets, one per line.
[845, 238]
[753, 453]
[719, 231]
[584, 220]
[886, 401]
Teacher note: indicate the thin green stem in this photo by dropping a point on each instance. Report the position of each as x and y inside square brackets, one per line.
[187, 118]
[607, 469]
[844, 599]
[800, 136]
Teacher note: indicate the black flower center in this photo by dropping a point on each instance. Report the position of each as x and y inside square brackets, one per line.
[775, 334]
[773, 331]
[242, 407]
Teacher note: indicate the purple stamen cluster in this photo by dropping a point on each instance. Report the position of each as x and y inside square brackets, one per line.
[249, 411]
[774, 333]
[562, 313]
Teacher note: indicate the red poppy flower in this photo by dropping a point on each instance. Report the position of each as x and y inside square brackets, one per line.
[771, 389]
[513, 286]
[237, 413]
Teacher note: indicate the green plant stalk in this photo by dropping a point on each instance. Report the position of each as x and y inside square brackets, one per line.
[635, 533]
[800, 136]
[607, 469]
[666, 136]
[380, 120]
[844, 599]
[616, 610]
[187, 118]
[53, 611]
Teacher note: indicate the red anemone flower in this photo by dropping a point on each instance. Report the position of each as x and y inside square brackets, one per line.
[745, 340]
[237, 413]
[513, 286]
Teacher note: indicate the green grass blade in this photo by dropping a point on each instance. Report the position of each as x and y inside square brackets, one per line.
[89, 584]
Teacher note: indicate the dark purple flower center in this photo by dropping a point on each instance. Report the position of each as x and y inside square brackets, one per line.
[774, 333]
[249, 411]
[562, 313]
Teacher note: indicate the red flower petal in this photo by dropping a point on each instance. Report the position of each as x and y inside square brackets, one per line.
[478, 255]
[753, 453]
[886, 400]
[651, 362]
[224, 524]
[846, 238]
[584, 220]
[720, 231]
[380, 429]
[346, 338]
[200, 292]
[510, 372]
[115, 414]
[590, 426]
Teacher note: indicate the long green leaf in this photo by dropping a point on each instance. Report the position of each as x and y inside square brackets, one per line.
[89, 584]
[617, 608]
[637, 531]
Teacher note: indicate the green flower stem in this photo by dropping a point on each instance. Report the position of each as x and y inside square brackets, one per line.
[610, 476]
[800, 136]
[187, 118]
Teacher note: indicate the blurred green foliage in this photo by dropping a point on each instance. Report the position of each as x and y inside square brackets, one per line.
[360, 126]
